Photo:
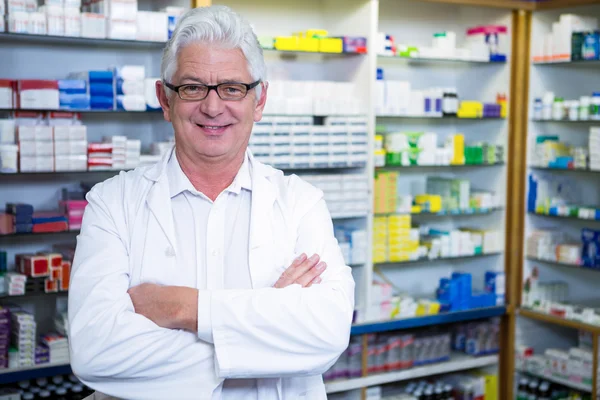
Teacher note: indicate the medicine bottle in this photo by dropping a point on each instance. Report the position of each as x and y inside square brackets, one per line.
[61, 394]
[537, 109]
[547, 102]
[595, 107]
[558, 110]
[27, 396]
[44, 394]
[584, 108]
[573, 110]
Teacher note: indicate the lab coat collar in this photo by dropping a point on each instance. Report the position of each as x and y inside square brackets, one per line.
[264, 195]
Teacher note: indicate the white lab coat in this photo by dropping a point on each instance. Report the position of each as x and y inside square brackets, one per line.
[284, 337]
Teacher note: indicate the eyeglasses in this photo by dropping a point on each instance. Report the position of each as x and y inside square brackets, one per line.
[230, 91]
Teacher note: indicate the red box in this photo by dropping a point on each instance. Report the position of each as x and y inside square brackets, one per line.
[66, 275]
[19, 262]
[36, 266]
[51, 286]
[55, 273]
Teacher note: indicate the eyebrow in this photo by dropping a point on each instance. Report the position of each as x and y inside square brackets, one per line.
[194, 79]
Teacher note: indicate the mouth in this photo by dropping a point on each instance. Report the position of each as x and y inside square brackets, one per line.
[213, 129]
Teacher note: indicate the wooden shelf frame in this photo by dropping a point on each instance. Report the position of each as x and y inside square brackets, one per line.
[519, 4]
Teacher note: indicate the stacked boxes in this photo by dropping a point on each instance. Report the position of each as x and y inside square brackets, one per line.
[403, 241]
[37, 94]
[73, 210]
[58, 348]
[346, 195]
[100, 84]
[100, 157]
[129, 82]
[386, 192]
[36, 150]
[295, 142]
[24, 337]
[22, 216]
[5, 335]
[73, 94]
[15, 283]
[53, 272]
[121, 18]
[353, 244]
[42, 354]
[70, 143]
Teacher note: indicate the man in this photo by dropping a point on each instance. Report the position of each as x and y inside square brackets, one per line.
[208, 275]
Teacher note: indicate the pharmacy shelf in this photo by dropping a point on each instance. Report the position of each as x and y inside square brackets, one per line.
[33, 295]
[431, 320]
[86, 111]
[94, 174]
[36, 235]
[559, 264]
[457, 363]
[38, 371]
[567, 323]
[566, 121]
[440, 60]
[554, 169]
[79, 41]
[128, 44]
[435, 260]
[399, 167]
[448, 214]
[564, 382]
[564, 217]
[586, 63]
[445, 118]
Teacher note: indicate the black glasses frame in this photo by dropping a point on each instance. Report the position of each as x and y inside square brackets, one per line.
[176, 89]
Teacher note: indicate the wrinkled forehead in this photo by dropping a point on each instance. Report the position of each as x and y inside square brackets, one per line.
[209, 61]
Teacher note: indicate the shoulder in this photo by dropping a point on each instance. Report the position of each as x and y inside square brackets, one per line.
[122, 183]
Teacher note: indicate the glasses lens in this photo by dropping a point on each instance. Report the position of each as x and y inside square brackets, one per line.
[231, 91]
[193, 92]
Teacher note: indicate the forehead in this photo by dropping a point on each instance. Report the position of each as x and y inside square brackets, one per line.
[209, 62]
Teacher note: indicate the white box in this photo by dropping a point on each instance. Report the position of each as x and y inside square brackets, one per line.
[152, 26]
[72, 21]
[122, 30]
[93, 26]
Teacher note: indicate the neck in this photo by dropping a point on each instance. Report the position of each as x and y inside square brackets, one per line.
[209, 177]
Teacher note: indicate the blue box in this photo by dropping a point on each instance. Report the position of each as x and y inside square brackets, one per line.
[72, 86]
[495, 284]
[101, 89]
[101, 103]
[590, 249]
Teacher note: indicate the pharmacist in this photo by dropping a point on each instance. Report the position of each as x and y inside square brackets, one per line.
[208, 275]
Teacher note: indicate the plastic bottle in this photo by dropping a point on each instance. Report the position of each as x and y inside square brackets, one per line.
[558, 109]
[544, 391]
[547, 102]
[573, 110]
[595, 108]
[61, 393]
[584, 108]
[538, 108]
[44, 394]
[522, 389]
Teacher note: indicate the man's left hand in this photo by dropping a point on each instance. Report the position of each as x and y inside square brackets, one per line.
[172, 307]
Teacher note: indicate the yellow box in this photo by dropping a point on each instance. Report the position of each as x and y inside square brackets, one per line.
[458, 146]
[399, 257]
[331, 45]
[434, 201]
[308, 44]
[287, 43]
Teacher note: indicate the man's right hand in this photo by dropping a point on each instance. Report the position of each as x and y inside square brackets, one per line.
[303, 271]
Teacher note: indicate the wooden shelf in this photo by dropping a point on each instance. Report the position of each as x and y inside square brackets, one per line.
[567, 323]
[519, 4]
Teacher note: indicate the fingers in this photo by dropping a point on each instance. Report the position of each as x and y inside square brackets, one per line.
[315, 281]
[301, 266]
[311, 274]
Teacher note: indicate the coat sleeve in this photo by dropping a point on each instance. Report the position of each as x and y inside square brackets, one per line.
[295, 331]
[113, 349]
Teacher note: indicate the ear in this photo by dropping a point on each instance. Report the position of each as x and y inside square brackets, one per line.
[163, 99]
[260, 104]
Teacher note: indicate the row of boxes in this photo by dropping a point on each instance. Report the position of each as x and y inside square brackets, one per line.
[346, 195]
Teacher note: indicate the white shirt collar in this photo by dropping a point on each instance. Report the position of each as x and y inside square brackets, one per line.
[179, 182]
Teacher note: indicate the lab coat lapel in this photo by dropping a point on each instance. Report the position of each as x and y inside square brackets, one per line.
[261, 224]
[159, 201]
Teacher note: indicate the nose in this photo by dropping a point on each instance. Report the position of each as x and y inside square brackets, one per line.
[212, 106]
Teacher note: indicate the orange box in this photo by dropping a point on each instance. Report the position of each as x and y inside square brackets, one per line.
[66, 275]
[51, 286]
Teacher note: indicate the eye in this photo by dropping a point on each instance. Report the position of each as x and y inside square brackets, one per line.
[192, 89]
[233, 89]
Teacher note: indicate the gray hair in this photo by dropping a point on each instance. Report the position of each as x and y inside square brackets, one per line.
[218, 25]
